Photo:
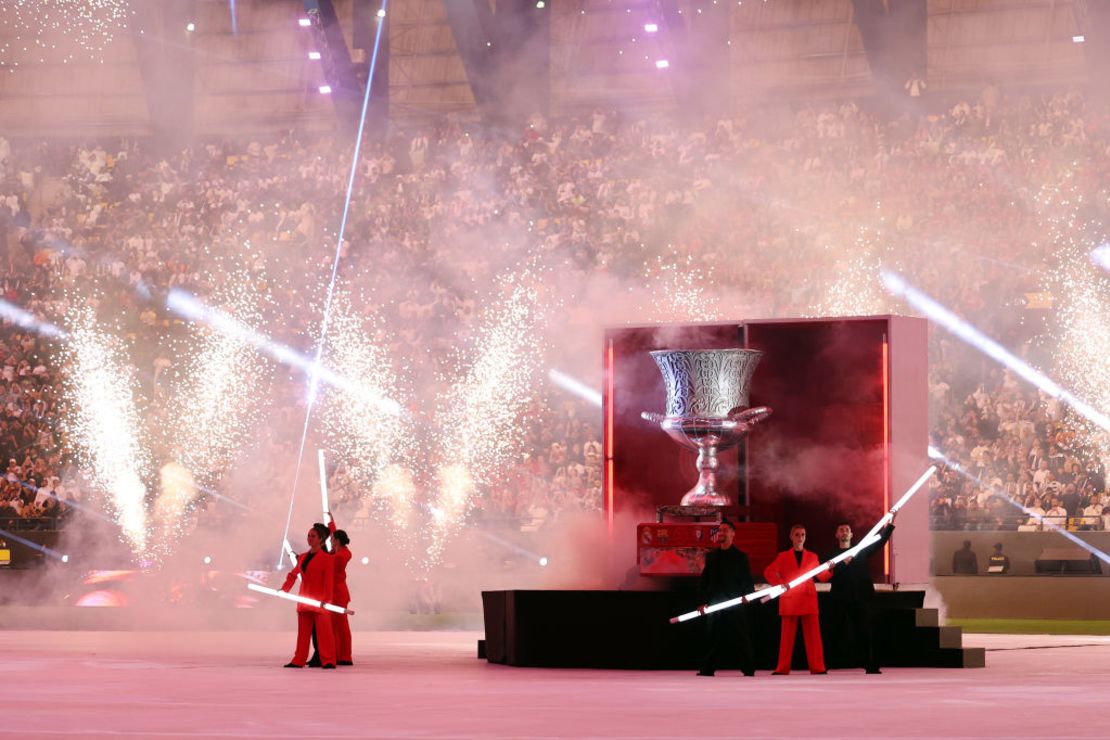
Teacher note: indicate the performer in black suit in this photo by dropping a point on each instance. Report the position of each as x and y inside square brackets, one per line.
[852, 595]
[726, 575]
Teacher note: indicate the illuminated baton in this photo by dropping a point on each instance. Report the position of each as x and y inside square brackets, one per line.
[289, 552]
[773, 592]
[323, 482]
[299, 599]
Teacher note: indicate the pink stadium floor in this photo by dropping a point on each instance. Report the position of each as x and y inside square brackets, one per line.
[431, 685]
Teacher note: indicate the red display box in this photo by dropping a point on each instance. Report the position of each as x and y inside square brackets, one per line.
[678, 548]
[849, 431]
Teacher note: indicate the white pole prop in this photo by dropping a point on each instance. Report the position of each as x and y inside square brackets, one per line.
[773, 592]
[299, 599]
[324, 494]
[323, 483]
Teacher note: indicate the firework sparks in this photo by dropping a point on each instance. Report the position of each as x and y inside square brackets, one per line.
[217, 397]
[396, 488]
[485, 407]
[176, 493]
[53, 30]
[456, 489]
[104, 426]
[1081, 295]
[365, 438]
[856, 288]
[680, 290]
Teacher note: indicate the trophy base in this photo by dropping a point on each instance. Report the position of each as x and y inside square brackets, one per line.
[700, 498]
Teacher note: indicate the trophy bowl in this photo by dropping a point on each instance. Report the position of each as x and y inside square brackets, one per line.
[707, 409]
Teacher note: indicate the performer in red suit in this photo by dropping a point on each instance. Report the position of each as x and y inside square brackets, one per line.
[799, 603]
[341, 554]
[317, 572]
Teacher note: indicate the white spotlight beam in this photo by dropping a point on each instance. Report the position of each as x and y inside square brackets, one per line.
[299, 599]
[937, 313]
[773, 592]
[1101, 256]
[1044, 521]
[190, 307]
[25, 319]
[575, 386]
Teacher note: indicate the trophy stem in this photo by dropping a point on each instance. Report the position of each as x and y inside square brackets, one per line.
[705, 493]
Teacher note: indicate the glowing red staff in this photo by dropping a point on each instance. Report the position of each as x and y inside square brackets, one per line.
[299, 599]
[773, 592]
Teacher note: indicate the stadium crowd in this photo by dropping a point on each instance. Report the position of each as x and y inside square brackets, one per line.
[778, 203]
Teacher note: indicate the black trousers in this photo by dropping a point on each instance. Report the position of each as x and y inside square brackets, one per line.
[727, 637]
[854, 620]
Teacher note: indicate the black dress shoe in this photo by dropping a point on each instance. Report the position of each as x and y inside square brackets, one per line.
[779, 673]
[705, 673]
[344, 662]
[873, 670]
[819, 673]
[292, 665]
[329, 665]
[314, 663]
[749, 674]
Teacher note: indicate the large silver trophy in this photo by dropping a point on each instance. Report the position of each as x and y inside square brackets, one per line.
[707, 409]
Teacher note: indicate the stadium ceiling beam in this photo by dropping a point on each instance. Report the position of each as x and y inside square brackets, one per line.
[894, 38]
[697, 49]
[1093, 20]
[506, 54]
[335, 58]
[163, 46]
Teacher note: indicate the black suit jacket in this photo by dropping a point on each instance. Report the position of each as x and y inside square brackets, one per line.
[852, 582]
[727, 574]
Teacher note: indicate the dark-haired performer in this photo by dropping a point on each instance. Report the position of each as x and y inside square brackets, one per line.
[852, 594]
[341, 627]
[726, 575]
[317, 573]
[341, 596]
[797, 604]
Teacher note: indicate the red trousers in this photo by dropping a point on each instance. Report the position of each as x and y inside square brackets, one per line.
[324, 638]
[811, 631]
[341, 627]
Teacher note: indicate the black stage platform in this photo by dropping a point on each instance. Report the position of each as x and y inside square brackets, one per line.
[631, 630]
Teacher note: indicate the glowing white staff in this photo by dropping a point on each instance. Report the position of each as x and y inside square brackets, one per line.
[299, 599]
[323, 482]
[773, 592]
[324, 493]
[289, 553]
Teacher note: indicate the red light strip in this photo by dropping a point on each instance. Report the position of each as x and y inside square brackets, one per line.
[886, 447]
[609, 492]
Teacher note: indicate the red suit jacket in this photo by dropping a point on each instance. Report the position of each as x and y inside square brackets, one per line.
[318, 582]
[342, 555]
[783, 569]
